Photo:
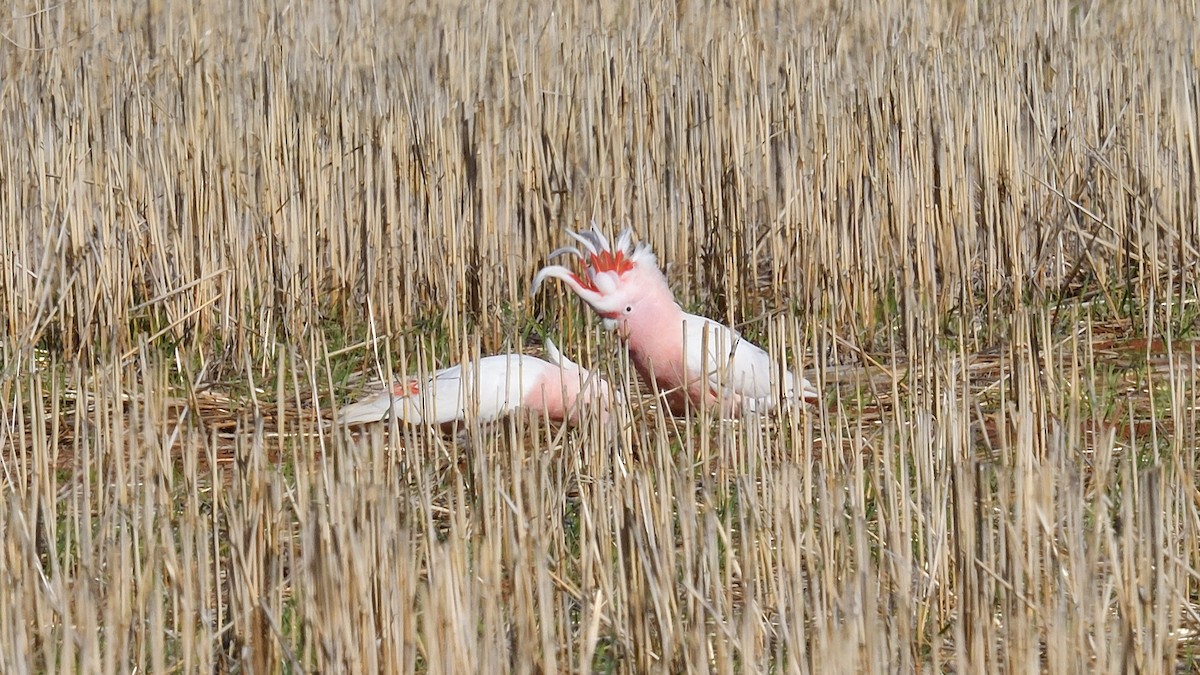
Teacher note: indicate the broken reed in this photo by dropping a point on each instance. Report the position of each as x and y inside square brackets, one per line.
[979, 223]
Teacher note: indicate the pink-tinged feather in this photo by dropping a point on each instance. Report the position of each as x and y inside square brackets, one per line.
[492, 387]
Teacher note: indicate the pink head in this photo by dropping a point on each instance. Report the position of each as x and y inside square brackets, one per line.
[621, 282]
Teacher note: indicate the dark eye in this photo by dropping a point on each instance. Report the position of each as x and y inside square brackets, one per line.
[628, 308]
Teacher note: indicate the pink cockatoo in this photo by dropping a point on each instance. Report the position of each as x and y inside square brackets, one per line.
[689, 359]
[490, 388]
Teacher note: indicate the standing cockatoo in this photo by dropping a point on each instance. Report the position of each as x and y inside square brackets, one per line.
[490, 388]
[688, 358]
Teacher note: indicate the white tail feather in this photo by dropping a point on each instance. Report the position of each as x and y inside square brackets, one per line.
[556, 356]
[365, 412]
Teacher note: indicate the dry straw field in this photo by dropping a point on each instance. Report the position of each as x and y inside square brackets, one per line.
[975, 226]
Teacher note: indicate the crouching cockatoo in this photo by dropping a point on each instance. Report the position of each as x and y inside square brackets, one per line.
[490, 388]
[687, 358]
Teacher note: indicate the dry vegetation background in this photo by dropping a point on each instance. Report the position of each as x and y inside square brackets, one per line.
[975, 226]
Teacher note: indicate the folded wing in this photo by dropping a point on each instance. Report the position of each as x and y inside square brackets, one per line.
[485, 390]
[738, 371]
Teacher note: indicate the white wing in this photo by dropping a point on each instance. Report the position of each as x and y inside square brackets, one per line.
[729, 362]
[736, 366]
[485, 390]
[370, 410]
